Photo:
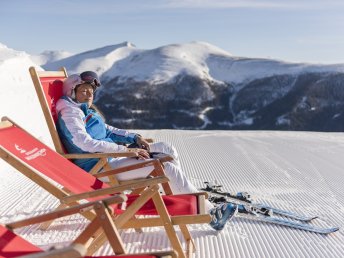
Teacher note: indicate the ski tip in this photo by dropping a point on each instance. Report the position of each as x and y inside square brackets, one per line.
[332, 230]
[336, 229]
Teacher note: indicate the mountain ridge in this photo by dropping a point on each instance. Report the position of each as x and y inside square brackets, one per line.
[199, 86]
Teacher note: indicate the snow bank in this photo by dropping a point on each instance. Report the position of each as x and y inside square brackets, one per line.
[17, 93]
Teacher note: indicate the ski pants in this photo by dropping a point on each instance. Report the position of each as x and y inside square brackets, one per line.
[178, 181]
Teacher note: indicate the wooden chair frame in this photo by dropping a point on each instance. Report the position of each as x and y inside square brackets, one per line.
[127, 219]
[102, 223]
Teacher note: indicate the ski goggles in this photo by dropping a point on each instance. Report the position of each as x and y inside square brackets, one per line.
[90, 78]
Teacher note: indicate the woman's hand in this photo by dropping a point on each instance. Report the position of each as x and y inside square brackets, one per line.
[141, 153]
[142, 143]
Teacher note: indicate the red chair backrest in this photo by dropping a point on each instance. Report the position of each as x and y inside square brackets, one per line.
[48, 86]
[39, 156]
[52, 88]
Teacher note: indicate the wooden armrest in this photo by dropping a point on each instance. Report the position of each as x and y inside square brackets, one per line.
[150, 162]
[99, 155]
[119, 198]
[206, 194]
[139, 183]
[125, 169]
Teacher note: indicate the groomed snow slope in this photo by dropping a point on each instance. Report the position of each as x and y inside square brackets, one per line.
[300, 171]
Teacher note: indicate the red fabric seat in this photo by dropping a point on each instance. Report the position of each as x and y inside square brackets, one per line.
[48, 162]
[182, 204]
[12, 245]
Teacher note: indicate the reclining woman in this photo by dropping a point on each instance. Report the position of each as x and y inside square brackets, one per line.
[82, 129]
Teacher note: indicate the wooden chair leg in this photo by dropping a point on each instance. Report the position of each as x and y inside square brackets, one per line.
[190, 244]
[100, 240]
[88, 236]
[171, 233]
[110, 229]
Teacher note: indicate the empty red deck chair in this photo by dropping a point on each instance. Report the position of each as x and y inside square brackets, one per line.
[32, 157]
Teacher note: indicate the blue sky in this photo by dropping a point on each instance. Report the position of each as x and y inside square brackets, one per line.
[290, 30]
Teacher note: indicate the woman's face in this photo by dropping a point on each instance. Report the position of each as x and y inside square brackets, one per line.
[84, 94]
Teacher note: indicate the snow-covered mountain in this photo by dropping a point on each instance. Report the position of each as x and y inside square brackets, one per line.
[163, 64]
[99, 60]
[199, 86]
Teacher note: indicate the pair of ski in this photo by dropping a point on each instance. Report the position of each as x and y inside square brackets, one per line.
[264, 213]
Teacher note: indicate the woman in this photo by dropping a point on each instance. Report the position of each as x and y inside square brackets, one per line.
[82, 130]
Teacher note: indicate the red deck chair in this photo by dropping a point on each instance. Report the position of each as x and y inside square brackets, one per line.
[48, 85]
[31, 157]
[12, 245]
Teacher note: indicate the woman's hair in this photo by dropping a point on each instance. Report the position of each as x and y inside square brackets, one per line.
[98, 111]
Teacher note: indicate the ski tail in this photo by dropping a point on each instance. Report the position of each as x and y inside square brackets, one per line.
[287, 223]
[286, 213]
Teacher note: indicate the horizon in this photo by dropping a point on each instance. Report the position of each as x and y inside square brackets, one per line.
[293, 31]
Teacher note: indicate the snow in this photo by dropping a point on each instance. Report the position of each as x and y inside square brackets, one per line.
[245, 69]
[17, 94]
[300, 171]
[282, 120]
